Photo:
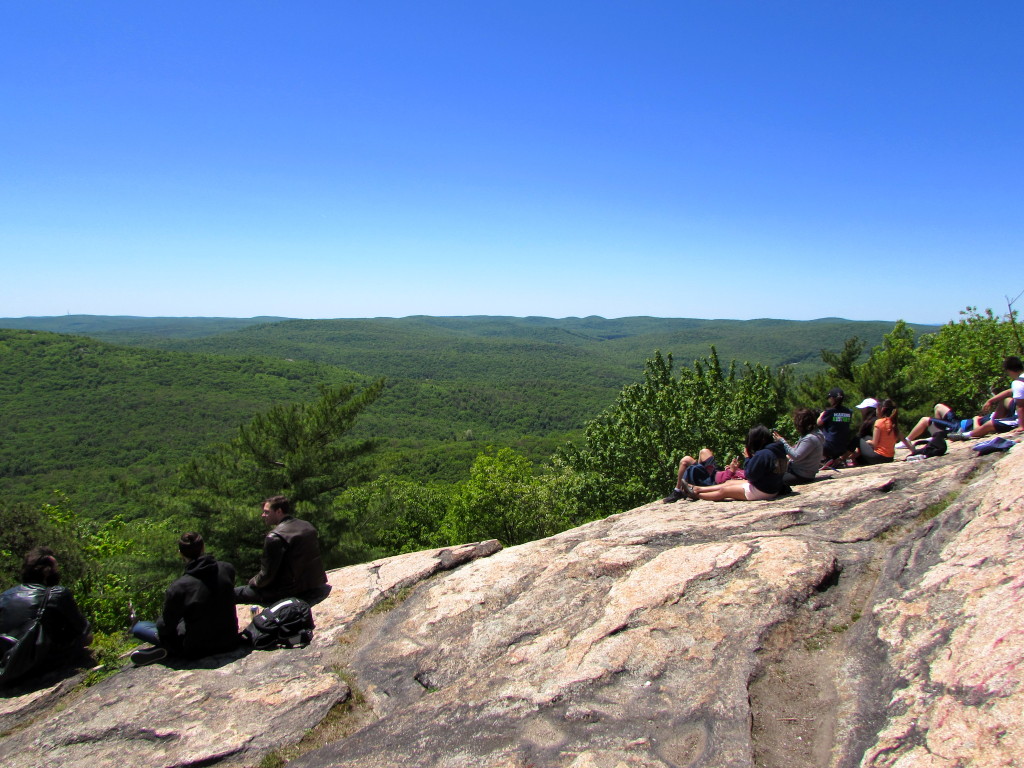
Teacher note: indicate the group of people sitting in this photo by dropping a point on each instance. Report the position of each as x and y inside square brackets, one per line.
[827, 440]
[199, 617]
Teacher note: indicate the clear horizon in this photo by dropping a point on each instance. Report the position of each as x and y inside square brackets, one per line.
[728, 160]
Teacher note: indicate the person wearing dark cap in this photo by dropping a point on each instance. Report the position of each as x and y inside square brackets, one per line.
[834, 424]
[199, 616]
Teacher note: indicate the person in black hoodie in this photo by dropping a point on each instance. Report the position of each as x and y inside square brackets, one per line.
[199, 616]
[765, 468]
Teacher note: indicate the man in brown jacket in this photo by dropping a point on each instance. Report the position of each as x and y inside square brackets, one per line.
[291, 565]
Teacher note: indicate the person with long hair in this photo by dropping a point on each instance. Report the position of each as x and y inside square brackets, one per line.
[881, 448]
[804, 457]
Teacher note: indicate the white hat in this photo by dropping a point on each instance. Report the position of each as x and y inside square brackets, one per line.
[868, 402]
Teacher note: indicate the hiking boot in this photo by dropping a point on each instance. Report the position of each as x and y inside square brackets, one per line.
[675, 496]
[151, 655]
[689, 493]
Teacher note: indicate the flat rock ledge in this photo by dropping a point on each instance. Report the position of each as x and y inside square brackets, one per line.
[231, 709]
[874, 618]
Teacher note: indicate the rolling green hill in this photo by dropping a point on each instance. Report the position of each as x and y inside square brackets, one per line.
[96, 419]
[480, 347]
[133, 330]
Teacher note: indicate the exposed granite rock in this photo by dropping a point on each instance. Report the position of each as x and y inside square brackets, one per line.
[231, 708]
[634, 640]
[953, 623]
[839, 626]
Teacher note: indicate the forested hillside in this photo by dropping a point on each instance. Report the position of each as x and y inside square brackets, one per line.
[482, 347]
[96, 420]
[131, 330]
[497, 349]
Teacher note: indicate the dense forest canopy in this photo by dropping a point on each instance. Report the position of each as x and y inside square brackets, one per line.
[90, 418]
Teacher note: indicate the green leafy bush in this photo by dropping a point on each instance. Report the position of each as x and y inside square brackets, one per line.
[631, 452]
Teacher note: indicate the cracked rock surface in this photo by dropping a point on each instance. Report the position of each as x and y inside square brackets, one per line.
[874, 618]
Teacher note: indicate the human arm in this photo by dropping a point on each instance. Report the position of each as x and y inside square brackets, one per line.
[993, 401]
[876, 434]
[270, 563]
[789, 449]
[75, 625]
[808, 446]
[170, 618]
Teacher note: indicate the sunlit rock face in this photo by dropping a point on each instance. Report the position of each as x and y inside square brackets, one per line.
[872, 618]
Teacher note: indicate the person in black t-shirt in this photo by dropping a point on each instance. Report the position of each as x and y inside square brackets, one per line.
[834, 424]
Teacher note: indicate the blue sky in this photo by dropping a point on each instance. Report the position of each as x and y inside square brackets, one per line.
[678, 159]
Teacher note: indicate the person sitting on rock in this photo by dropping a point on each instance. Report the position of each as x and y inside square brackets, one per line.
[63, 633]
[699, 471]
[199, 617]
[291, 565]
[868, 408]
[703, 471]
[805, 457]
[834, 424]
[1007, 407]
[765, 468]
[881, 448]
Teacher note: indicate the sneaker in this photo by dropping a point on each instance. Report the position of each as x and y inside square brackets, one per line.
[691, 494]
[151, 655]
[673, 497]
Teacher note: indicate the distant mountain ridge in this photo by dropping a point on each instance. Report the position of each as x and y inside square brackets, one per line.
[116, 328]
[422, 346]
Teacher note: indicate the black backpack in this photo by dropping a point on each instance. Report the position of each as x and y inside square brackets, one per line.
[287, 623]
[934, 446]
[20, 656]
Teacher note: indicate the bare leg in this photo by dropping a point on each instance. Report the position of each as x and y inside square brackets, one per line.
[985, 429]
[688, 461]
[684, 464]
[921, 427]
[730, 489]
